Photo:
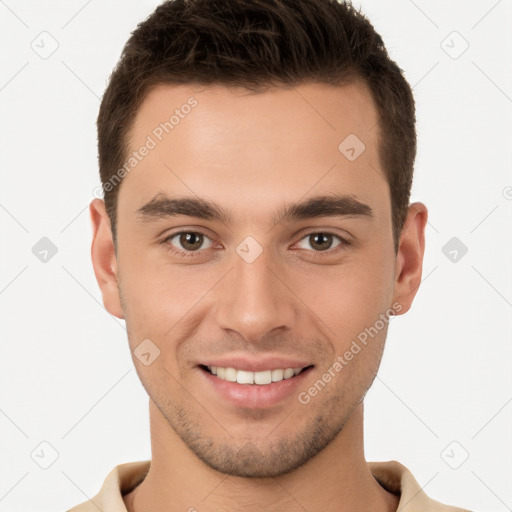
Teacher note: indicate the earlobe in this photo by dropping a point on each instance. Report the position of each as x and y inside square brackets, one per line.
[104, 258]
[409, 259]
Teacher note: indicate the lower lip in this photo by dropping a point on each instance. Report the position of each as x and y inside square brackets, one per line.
[256, 396]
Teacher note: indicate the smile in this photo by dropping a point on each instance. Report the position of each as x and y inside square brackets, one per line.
[260, 378]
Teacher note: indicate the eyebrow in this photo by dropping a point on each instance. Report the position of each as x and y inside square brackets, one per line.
[163, 207]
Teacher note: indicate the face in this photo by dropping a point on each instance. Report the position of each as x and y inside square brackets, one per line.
[253, 240]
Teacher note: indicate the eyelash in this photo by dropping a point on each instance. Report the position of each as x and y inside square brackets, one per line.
[187, 254]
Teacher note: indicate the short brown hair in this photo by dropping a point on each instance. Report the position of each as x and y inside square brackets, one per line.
[255, 44]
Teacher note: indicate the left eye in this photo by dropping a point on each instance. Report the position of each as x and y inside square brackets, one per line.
[320, 241]
[190, 241]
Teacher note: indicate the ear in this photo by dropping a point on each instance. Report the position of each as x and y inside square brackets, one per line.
[104, 258]
[409, 259]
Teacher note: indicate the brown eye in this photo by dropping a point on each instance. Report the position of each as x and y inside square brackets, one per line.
[189, 241]
[319, 242]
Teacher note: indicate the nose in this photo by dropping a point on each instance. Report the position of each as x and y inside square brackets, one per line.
[254, 300]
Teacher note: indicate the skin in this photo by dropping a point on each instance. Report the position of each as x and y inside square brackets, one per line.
[251, 154]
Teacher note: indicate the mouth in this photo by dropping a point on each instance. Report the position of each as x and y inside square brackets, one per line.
[259, 378]
[249, 383]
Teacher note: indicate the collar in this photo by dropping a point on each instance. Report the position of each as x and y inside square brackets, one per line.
[391, 475]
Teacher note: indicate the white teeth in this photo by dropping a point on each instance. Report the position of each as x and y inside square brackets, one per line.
[261, 378]
[245, 377]
[277, 375]
[289, 372]
[230, 374]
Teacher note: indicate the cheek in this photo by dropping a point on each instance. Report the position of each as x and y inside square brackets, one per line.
[348, 297]
[350, 301]
[161, 298]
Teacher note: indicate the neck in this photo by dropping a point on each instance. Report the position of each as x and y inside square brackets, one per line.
[336, 479]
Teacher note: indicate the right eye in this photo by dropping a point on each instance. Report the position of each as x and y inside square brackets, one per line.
[185, 243]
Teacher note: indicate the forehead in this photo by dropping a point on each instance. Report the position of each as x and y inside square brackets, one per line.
[306, 112]
[214, 140]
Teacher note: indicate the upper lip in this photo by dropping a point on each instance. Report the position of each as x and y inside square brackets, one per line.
[256, 365]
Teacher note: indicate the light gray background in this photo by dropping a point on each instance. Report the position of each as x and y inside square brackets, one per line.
[444, 388]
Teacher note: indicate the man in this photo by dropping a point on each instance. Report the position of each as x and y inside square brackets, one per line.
[256, 236]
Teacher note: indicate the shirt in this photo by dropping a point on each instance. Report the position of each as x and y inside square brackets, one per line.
[391, 475]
